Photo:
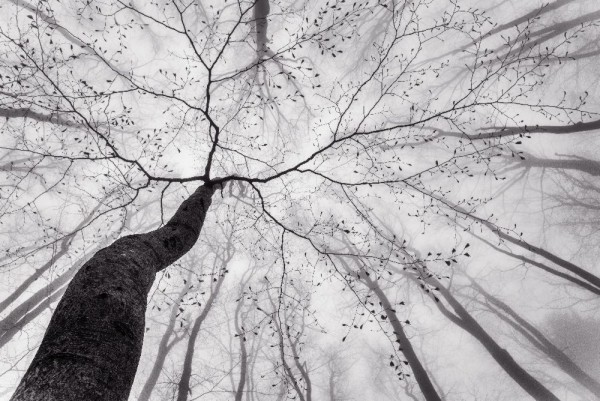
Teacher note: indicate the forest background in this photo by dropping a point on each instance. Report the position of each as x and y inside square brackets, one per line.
[394, 199]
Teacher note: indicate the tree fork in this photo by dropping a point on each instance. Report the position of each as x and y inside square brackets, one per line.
[93, 343]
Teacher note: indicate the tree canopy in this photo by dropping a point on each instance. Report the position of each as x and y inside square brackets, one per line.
[403, 194]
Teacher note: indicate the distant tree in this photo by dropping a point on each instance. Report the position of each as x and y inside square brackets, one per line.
[539, 340]
[576, 337]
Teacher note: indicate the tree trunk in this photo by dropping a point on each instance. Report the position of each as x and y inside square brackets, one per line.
[575, 280]
[64, 247]
[239, 393]
[92, 346]
[37, 303]
[302, 367]
[565, 264]
[261, 13]
[287, 370]
[544, 344]
[16, 325]
[464, 320]
[65, 243]
[419, 372]
[163, 349]
[421, 376]
[183, 389]
[583, 274]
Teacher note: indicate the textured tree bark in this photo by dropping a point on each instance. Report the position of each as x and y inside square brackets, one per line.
[92, 346]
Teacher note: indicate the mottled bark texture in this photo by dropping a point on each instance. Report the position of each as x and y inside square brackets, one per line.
[92, 346]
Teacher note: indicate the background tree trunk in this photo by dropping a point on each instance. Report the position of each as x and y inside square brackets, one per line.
[421, 376]
[464, 320]
[184, 383]
[238, 322]
[163, 349]
[540, 341]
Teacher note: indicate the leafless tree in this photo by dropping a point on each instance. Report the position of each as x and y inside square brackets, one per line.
[299, 126]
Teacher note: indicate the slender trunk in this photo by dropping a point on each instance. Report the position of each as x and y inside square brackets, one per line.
[545, 345]
[591, 167]
[64, 247]
[65, 243]
[8, 332]
[163, 349]
[261, 13]
[239, 393]
[419, 372]
[92, 346]
[501, 132]
[302, 368]
[252, 361]
[464, 320]
[537, 12]
[571, 267]
[286, 367]
[331, 386]
[538, 37]
[183, 389]
[575, 280]
[31, 308]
